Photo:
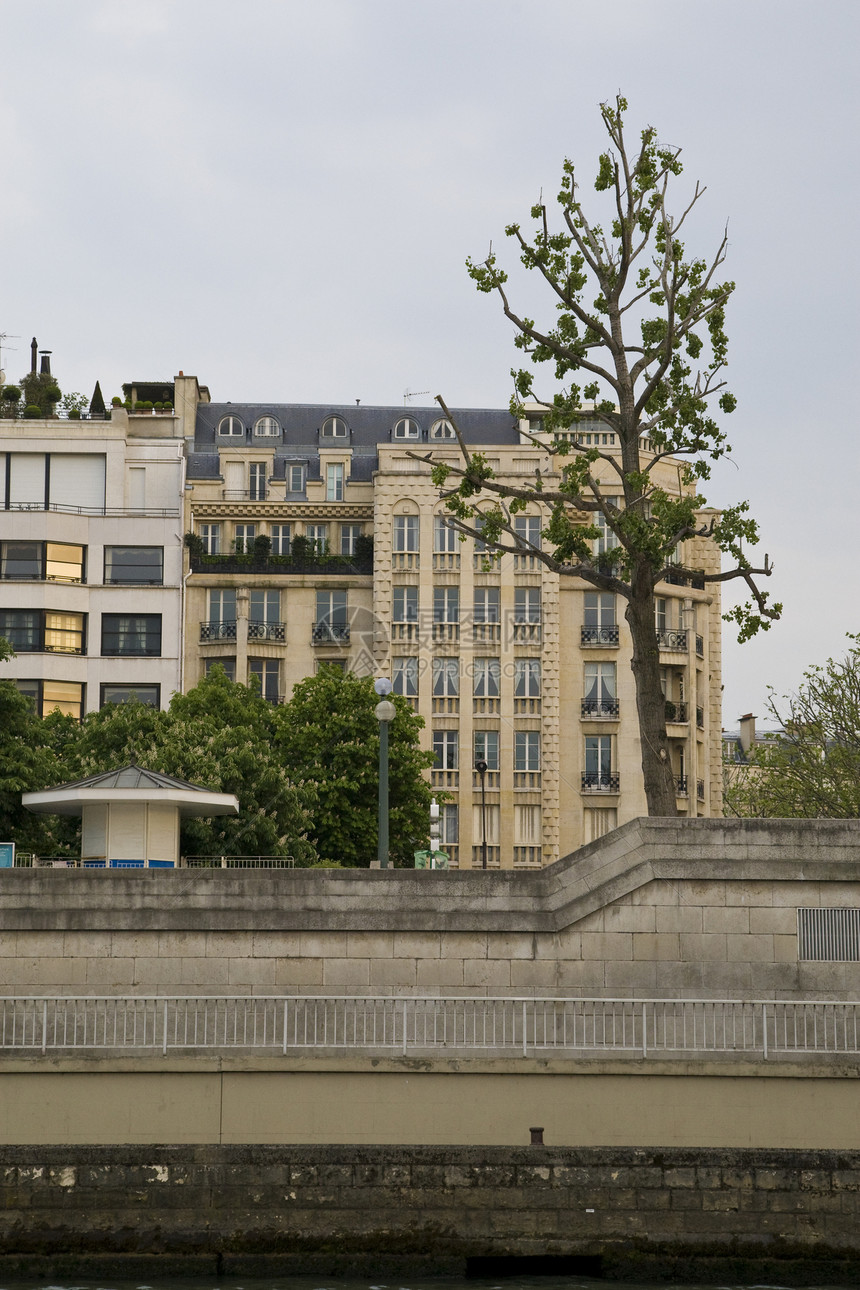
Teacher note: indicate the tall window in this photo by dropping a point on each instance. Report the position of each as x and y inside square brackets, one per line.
[228, 664]
[332, 612]
[599, 626]
[64, 633]
[280, 535]
[607, 541]
[317, 535]
[52, 696]
[134, 565]
[131, 634]
[405, 604]
[406, 533]
[486, 675]
[527, 750]
[449, 831]
[334, 481]
[264, 606]
[243, 537]
[210, 536]
[527, 528]
[601, 694]
[527, 604]
[662, 614]
[222, 606]
[22, 628]
[446, 749]
[257, 481]
[404, 676]
[446, 604]
[446, 677]
[349, 535]
[598, 761]
[266, 670]
[296, 479]
[444, 536]
[527, 678]
[487, 748]
[487, 605]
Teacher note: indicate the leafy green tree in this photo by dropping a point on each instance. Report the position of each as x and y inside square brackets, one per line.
[329, 735]
[641, 322]
[26, 765]
[810, 768]
[219, 735]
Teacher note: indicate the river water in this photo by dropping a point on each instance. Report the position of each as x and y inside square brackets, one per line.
[341, 1283]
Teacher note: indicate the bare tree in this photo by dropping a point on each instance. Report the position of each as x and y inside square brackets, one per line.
[644, 323]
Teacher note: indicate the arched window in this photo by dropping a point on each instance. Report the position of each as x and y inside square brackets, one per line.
[442, 430]
[406, 428]
[267, 426]
[230, 426]
[334, 428]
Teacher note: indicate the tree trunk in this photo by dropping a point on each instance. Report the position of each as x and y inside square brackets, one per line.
[657, 767]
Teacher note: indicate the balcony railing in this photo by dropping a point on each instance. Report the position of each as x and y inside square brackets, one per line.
[605, 636]
[681, 577]
[444, 778]
[603, 781]
[600, 709]
[402, 560]
[528, 857]
[527, 633]
[491, 781]
[490, 633]
[349, 566]
[528, 779]
[676, 711]
[244, 494]
[681, 786]
[446, 561]
[672, 638]
[486, 705]
[330, 634]
[266, 631]
[225, 631]
[449, 632]
[401, 632]
[527, 707]
[445, 705]
[494, 857]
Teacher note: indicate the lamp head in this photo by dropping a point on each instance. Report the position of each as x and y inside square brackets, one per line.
[382, 686]
[481, 767]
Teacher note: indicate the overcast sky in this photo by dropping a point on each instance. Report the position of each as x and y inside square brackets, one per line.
[279, 197]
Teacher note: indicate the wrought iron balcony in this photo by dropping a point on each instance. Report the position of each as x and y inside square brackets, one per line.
[676, 711]
[330, 634]
[603, 781]
[681, 577]
[225, 631]
[672, 639]
[282, 564]
[266, 631]
[600, 709]
[681, 786]
[606, 636]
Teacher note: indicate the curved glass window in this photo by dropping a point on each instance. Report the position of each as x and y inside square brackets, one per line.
[406, 428]
[334, 428]
[230, 426]
[267, 426]
[442, 430]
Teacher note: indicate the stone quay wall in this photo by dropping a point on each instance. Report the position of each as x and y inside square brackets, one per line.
[790, 1216]
[658, 908]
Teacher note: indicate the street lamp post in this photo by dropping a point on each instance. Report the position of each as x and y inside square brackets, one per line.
[481, 768]
[385, 713]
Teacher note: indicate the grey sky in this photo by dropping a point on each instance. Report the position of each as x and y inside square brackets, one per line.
[279, 197]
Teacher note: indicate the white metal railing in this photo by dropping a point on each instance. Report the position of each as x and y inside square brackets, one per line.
[498, 1026]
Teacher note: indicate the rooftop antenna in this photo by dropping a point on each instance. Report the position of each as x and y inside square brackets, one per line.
[412, 394]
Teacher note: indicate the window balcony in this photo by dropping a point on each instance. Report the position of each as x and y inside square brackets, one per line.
[489, 633]
[446, 705]
[225, 631]
[673, 639]
[485, 706]
[676, 712]
[528, 857]
[444, 778]
[244, 494]
[681, 786]
[605, 637]
[267, 632]
[527, 707]
[282, 564]
[486, 561]
[447, 633]
[404, 560]
[446, 561]
[401, 632]
[603, 781]
[330, 634]
[491, 781]
[528, 779]
[526, 564]
[527, 633]
[680, 577]
[599, 709]
[494, 857]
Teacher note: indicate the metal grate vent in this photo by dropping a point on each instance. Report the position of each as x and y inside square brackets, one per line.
[829, 934]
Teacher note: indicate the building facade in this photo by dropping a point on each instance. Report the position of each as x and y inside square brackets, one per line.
[507, 663]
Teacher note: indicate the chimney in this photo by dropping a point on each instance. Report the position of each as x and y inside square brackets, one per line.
[34, 349]
[747, 725]
[45, 369]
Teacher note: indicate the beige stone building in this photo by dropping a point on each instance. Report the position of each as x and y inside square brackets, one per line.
[505, 662]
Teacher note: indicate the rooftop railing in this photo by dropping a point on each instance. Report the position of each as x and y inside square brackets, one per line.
[560, 1027]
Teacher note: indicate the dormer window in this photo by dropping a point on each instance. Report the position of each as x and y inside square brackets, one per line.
[334, 428]
[267, 427]
[406, 428]
[442, 430]
[230, 427]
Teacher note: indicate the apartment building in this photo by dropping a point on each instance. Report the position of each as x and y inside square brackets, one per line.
[91, 558]
[508, 664]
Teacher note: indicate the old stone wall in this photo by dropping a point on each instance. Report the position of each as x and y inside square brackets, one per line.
[786, 1215]
[658, 908]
